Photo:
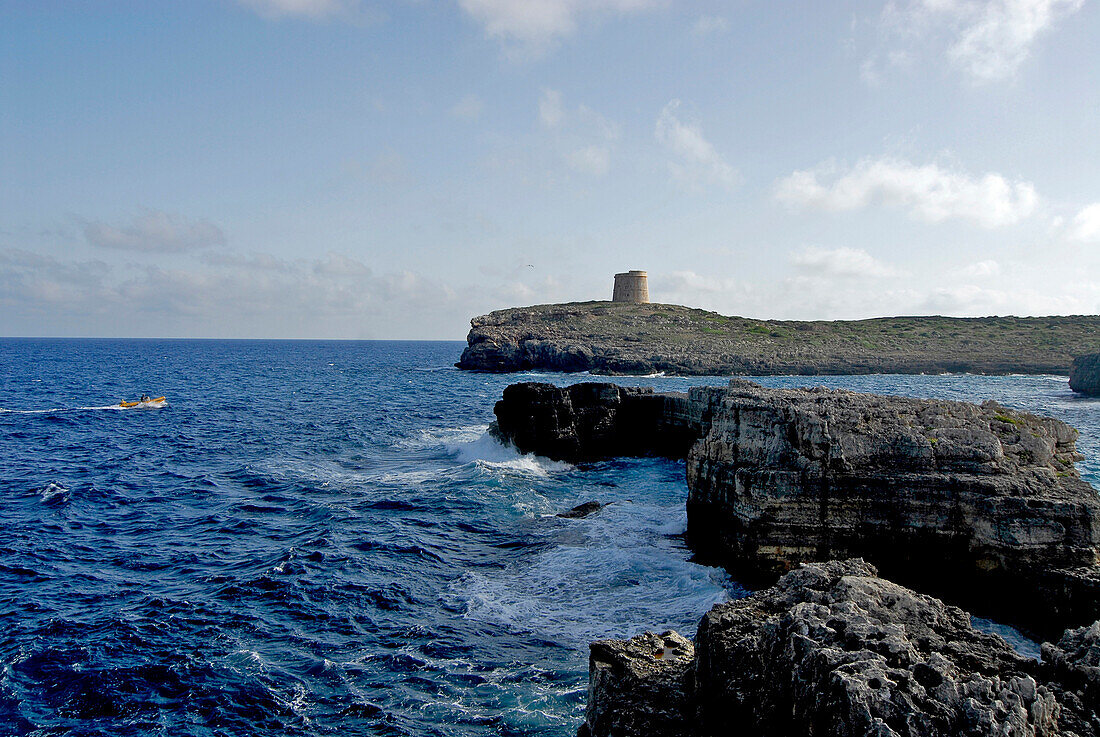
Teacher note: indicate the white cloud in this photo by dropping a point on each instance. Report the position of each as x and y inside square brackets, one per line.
[305, 8]
[468, 108]
[695, 160]
[978, 270]
[929, 192]
[551, 113]
[999, 38]
[540, 22]
[153, 231]
[1086, 226]
[594, 160]
[841, 262]
[987, 39]
[707, 25]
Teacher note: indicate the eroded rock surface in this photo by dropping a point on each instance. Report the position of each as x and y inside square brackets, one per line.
[1084, 375]
[832, 649]
[981, 504]
[639, 686]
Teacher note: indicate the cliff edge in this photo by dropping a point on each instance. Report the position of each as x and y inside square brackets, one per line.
[616, 338]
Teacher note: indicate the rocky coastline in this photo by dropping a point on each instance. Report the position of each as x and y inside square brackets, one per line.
[637, 339]
[832, 649]
[1084, 375]
[978, 505]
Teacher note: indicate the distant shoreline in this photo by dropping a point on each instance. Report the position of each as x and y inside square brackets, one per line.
[607, 338]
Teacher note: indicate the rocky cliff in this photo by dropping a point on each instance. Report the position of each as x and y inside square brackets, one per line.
[1084, 375]
[981, 504]
[617, 338]
[832, 649]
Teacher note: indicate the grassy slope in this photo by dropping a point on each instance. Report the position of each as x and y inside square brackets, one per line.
[669, 330]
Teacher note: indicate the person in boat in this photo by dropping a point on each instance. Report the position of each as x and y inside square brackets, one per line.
[144, 397]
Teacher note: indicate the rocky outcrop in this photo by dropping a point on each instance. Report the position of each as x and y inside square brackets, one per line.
[832, 649]
[588, 421]
[640, 686]
[619, 338]
[980, 504]
[1084, 375]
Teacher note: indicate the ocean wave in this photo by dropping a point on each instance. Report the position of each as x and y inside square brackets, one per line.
[54, 493]
[610, 575]
[489, 452]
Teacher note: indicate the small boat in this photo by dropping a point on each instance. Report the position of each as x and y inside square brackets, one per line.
[140, 403]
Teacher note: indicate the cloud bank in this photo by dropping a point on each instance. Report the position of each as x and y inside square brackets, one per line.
[153, 231]
[928, 192]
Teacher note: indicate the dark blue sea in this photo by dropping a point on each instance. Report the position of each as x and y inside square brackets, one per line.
[315, 538]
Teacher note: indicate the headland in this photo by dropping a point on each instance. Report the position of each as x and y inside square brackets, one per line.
[624, 338]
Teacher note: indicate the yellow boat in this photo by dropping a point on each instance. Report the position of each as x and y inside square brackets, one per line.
[126, 405]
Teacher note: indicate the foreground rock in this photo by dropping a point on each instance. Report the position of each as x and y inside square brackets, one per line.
[832, 649]
[1084, 375]
[618, 338]
[980, 504]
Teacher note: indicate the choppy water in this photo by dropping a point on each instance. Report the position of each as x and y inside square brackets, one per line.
[318, 538]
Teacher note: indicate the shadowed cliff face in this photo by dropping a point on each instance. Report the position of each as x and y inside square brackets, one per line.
[618, 338]
[981, 504]
[1084, 375]
[832, 649]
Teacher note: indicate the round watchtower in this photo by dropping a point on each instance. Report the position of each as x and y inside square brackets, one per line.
[631, 286]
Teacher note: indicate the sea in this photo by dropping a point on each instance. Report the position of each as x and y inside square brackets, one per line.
[320, 538]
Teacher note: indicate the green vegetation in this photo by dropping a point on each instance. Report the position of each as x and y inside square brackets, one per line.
[642, 337]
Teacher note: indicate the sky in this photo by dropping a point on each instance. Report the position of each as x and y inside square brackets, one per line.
[392, 168]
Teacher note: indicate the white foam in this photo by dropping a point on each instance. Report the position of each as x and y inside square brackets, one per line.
[489, 453]
[61, 410]
[444, 437]
[610, 575]
[53, 490]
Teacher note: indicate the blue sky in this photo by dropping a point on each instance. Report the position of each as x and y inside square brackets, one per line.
[391, 168]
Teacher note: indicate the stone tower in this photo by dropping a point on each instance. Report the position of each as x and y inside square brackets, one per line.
[632, 286]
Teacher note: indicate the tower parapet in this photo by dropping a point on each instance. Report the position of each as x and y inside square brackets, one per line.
[631, 286]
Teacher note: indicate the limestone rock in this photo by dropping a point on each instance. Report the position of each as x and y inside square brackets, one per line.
[832, 649]
[637, 686]
[1084, 375]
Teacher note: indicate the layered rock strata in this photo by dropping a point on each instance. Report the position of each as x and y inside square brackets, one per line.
[1084, 375]
[832, 649]
[980, 504]
[620, 338]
